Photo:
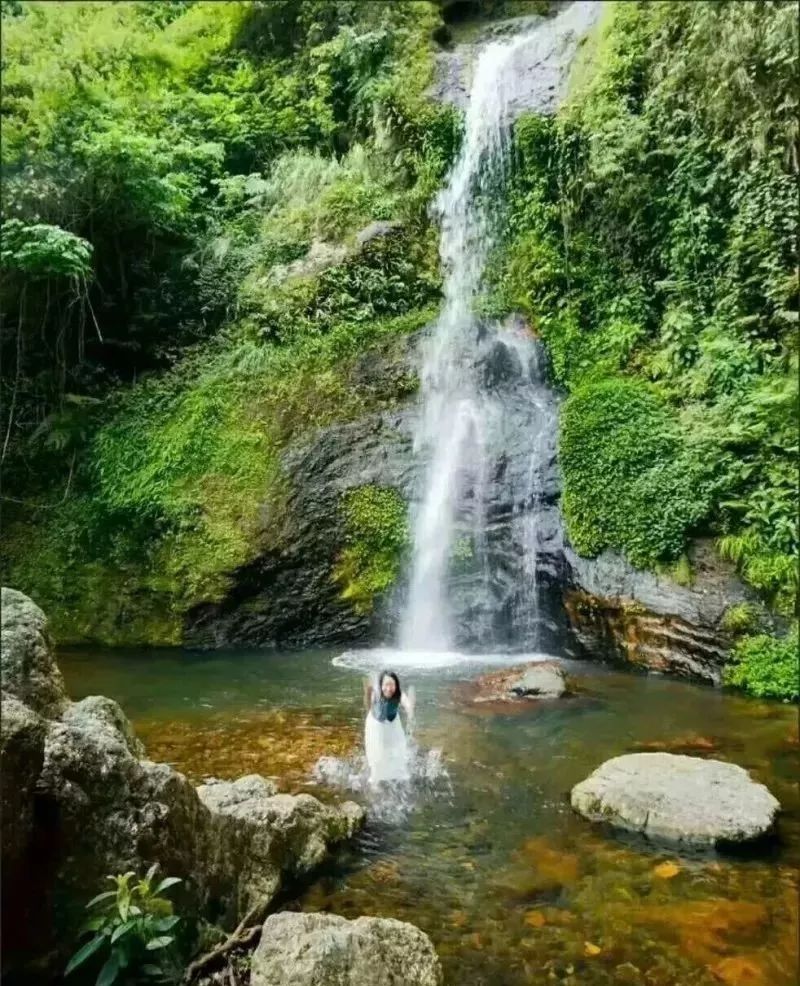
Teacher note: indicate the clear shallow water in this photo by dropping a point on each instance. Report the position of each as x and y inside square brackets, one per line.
[511, 886]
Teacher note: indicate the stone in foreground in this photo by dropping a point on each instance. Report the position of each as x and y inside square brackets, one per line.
[677, 798]
[311, 949]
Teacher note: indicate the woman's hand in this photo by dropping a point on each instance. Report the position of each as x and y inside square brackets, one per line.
[409, 701]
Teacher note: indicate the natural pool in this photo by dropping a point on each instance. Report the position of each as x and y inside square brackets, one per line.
[512, 887]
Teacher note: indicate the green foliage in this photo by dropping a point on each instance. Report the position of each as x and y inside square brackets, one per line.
[130, 928]
[651, 232]
[741, 618]
[42, 250]
[766, 666]
[168, 502]
[151, 136]
[628, 480]
[376, 525]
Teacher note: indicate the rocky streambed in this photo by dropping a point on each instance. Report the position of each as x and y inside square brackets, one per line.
[81, 802]
[487, 858]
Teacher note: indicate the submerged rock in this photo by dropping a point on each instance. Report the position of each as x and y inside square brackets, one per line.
[312, 949]
[677, 798]
[80, 803]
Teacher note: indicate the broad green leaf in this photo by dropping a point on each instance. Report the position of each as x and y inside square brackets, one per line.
[84, 953]
[155, 943]
[166, 924]
[121, 930]
[106, 895]
[109, 972]
[169, 881]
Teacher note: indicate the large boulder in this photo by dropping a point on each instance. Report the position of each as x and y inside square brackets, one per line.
[80, 802]
[29, 670]
[677, 798]
[263, 838]
[22, 734]
[316, 949]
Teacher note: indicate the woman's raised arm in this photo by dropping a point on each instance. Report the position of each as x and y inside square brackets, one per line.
[367, 694]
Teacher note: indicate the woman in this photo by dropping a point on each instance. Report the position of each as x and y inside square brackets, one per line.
[384, 737]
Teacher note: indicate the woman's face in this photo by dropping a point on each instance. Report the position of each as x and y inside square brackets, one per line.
[388, 687]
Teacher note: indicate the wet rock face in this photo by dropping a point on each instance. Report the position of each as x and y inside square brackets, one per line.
[677, 798]
[541, 66]
[80, 802]
[311, 949]
[266, 838]
[287, 596]
[651, 621]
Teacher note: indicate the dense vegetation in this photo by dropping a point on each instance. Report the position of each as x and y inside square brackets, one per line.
[653, 243]
[184, 187]
[183, 291]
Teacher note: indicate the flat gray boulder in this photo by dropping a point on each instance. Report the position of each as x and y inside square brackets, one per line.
[677, 798]
[317, 949]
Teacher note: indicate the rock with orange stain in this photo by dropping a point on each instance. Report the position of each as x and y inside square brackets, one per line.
[552, 868]
[558, 916]
[683, 744]
[535, 919]
[590, 949]
[740, 970]
[384, 871]
[705, 929]
[666, 870]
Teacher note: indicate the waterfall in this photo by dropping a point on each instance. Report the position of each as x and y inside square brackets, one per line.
[456, 417]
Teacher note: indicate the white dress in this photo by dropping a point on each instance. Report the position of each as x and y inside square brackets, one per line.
[386, 748]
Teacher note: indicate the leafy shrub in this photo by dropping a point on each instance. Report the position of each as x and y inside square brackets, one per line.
[131, 927]
[649, 233]
[766, 666]
[629, 480]
[376, 525]
[741, 618]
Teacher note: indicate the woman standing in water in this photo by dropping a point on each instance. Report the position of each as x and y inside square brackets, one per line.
[384, 736]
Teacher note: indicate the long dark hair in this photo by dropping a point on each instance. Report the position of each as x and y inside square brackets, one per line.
[395, 679]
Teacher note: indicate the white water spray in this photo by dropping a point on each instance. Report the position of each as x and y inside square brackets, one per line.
[455, 418]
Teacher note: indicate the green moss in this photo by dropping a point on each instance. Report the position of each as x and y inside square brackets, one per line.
[376, 526]
[766, 666]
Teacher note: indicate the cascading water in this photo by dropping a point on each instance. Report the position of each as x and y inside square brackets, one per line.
[485, 520]
[456, 420]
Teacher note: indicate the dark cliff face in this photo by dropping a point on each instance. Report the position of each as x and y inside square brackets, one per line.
[287, 597]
